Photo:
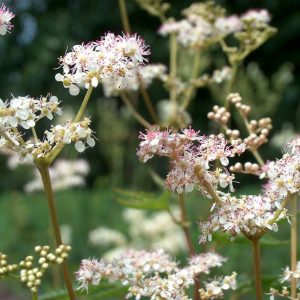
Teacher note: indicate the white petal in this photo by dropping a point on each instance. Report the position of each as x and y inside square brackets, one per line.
[79, 146]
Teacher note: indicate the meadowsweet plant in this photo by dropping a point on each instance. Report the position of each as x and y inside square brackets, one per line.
[198, 163]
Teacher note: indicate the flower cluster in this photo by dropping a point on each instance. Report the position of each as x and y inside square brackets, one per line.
[64, 174]
[146, 75]
[284, 173]
[112, 57]
[249, 214]
[78, 132]
[215, 288]
[26, 111]
[5, 17]
[148, 274]
[287, 276]
[30, 274]
[191, 155]
[206, 23]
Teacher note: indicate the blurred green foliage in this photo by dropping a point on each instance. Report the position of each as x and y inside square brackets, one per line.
[43, 30]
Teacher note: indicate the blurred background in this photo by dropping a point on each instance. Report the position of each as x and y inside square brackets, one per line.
[44, 29]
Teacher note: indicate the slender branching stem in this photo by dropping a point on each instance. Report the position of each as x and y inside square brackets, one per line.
[258, 157]
[194, 74]
[255, 152]
[207, 186]
[185, 224]
[173, 66]
[9, 140]
[84, 104]
[124, 16]
[293, 211]
[44, 171]
[36, 139]
[134, 112]
[257, 268]
[279, 210]
[147, 101]
[143, 91]
[231, 84]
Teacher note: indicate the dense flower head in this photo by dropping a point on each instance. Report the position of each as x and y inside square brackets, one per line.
[5, 17]
[257, 17]
[149, 274]
[250, 214]
[193, 31]
[191, 156]
[203, 26]
[228, 25]
[284, 173]
[112, 57]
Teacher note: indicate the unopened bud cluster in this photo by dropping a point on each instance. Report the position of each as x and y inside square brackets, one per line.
[247, 168]
[5, 267]
[31, 275]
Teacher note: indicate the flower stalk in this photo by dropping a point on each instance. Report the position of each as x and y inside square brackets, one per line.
[44, 171]
[184, 223]
[294, 245]
[257, 268]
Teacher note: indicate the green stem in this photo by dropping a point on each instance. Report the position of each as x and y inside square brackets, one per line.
[194, 75]
[133, 111]
[185, 224]
[294, 245]
[279, 211]
[34, 134]
[84, 104]
[258, 157]
[173, 66]
[44, 171]
[147, 101]
[230, 85]
[35, 296]
[257, 269]
[124, 16]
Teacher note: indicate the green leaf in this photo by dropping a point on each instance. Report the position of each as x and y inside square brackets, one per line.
[269, 240]
[142, 200]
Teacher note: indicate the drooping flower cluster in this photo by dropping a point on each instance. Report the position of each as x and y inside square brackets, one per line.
[251, 215]
[113, 57]
[5, 17]
[64, 174]
[191, 156]
[148, 274]
[146, 75]
[284, 173]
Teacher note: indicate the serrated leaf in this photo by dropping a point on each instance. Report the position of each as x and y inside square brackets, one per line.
[142, 200]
